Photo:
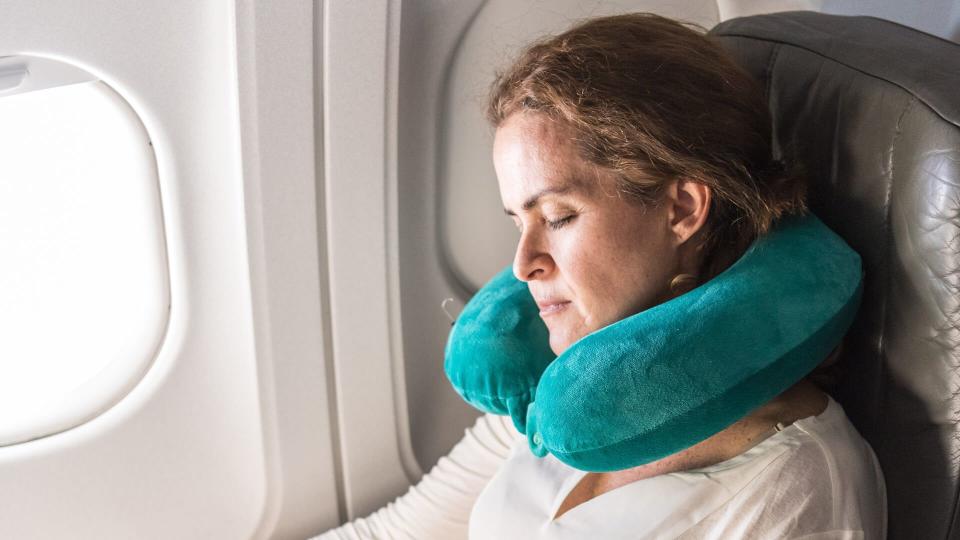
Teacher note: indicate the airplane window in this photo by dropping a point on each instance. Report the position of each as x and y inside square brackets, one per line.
[84, 294]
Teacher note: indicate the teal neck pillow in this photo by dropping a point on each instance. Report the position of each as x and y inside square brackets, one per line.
[669, 377]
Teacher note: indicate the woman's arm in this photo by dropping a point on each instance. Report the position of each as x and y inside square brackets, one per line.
[439, 506]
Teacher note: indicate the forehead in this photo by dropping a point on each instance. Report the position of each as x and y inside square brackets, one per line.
[532, 152]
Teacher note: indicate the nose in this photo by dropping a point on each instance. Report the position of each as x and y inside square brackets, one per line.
[532, 260]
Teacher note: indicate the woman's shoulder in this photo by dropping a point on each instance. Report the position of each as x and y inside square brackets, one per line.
[830, 444]
[826, 478]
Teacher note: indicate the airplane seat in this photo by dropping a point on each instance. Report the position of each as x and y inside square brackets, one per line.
[870, 110]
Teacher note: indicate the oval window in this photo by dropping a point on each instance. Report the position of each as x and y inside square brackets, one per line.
[84, 288]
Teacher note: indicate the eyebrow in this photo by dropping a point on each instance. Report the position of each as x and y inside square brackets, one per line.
[532, 201]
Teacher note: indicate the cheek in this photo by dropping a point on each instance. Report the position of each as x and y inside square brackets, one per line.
[622, 278]
[590, 277]
[579, 264]
[611, 269]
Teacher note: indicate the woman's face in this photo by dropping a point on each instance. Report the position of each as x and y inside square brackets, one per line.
[590, 257]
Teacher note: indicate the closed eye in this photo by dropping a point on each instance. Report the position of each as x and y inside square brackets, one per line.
[561, 222]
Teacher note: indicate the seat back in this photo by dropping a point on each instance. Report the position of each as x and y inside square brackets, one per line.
[871, 109]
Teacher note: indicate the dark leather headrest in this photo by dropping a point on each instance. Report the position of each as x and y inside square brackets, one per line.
[871, 109]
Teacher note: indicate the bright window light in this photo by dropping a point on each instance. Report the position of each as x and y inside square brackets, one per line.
[84, 296]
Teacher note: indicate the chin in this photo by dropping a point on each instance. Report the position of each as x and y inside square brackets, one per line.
[557, 348]
[558, 345]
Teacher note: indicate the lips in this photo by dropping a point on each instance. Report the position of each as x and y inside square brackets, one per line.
[549, 306]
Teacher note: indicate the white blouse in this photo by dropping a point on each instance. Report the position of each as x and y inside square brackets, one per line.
[817, 478]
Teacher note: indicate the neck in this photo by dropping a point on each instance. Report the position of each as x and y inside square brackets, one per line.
[799, 401]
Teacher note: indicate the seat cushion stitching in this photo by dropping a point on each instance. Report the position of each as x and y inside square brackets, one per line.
[768, 74]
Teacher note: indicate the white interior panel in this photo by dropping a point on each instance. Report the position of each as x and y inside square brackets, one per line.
[360, 185]
[280, 51]
[228, 433]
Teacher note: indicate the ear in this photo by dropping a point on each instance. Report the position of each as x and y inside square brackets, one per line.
[688, 204]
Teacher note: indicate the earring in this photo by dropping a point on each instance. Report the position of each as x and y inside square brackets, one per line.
[682, 283]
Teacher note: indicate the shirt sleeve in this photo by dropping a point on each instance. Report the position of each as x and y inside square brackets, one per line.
[438, 507]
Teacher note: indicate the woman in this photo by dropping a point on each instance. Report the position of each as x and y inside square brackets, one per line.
[635, 158]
